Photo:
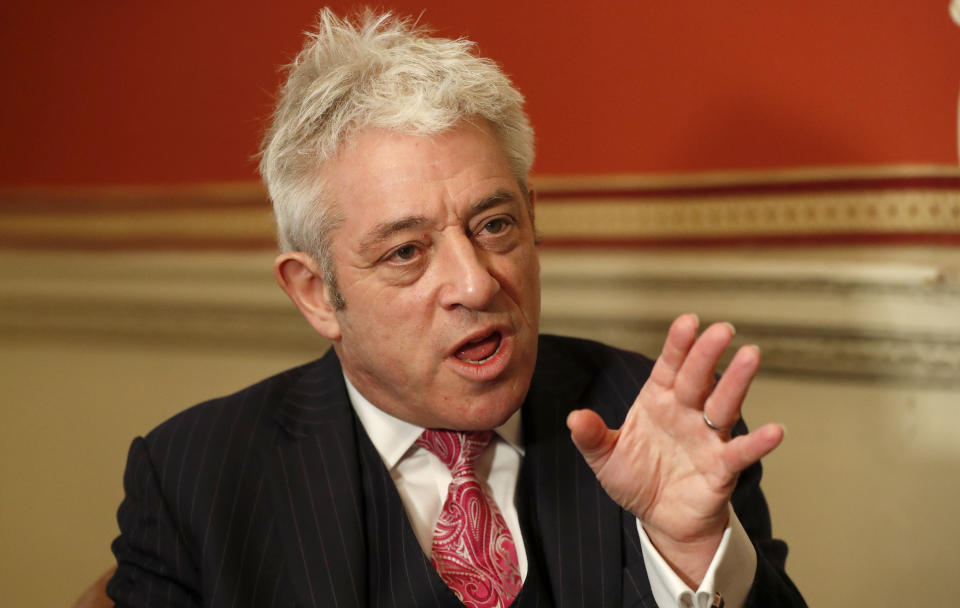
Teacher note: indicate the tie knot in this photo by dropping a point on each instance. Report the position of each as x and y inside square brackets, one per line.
[458, 450]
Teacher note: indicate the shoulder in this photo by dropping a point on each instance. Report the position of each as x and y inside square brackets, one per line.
[594, 358]
[248, 410]
[223, 443]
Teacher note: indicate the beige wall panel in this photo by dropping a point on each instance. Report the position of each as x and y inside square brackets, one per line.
[864, 489]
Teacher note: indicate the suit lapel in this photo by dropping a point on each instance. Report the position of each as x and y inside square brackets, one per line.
[578, 525]
[316, 484]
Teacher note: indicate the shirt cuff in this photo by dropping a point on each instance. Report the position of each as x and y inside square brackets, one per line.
[730, 573]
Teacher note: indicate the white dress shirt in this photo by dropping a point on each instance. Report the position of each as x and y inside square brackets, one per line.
[422, 481]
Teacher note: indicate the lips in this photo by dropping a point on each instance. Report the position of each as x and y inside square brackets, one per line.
[479, 350]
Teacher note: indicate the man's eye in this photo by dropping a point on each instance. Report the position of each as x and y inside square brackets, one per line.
[496, 225]
[404, 253]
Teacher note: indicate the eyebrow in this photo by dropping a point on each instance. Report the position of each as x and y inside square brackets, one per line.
[499, 196]
[384, 230]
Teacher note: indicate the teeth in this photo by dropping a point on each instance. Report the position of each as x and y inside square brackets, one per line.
[485, 359]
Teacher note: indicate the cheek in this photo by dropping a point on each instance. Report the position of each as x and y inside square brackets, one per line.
[523, 278]
[402, 321]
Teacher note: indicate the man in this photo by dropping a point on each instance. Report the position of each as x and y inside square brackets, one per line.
[397, 165]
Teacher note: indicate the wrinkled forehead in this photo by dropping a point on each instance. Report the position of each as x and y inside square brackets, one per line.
[391, 161]
[354, 134]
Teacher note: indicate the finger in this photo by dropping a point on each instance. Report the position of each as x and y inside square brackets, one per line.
[680, 337]
[591, 436]
[695, 379]
[723, 405]
[743, 451]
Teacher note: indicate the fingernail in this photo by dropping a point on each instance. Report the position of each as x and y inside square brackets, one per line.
[733, 329]
[784, 427]
[696, 319]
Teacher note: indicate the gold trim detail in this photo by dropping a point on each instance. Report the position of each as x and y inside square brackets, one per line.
[767, 214]
[853, 204]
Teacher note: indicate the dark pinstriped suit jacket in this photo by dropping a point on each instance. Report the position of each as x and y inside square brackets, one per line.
[258, 499]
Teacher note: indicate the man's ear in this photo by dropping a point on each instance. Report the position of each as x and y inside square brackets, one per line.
[300, 276]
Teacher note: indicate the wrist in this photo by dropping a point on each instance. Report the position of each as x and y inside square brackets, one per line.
[691, 556]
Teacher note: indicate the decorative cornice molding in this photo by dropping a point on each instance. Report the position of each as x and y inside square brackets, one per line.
[902, 204]
[891, 322]
[916, 358]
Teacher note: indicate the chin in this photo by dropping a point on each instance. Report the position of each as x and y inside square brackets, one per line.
[490, 411]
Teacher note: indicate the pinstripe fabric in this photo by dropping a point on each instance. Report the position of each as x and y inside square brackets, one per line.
[578, 526]
[187, 528]
[274, 497]
[315, 479]
[405, 579]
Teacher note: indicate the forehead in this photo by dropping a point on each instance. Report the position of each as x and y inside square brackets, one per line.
[384, 169]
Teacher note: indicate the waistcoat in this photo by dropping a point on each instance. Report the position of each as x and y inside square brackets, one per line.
[399, 574]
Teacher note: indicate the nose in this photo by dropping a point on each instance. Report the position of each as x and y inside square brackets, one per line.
[466, 277]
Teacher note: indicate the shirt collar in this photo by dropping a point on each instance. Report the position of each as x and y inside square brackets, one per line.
[393, 437]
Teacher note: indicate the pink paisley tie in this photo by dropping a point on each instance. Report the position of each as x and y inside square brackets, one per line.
[472, 548]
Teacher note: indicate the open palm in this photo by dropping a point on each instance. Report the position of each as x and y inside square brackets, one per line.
[665, 464]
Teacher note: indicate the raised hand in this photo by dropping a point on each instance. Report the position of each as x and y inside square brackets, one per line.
[666, 465]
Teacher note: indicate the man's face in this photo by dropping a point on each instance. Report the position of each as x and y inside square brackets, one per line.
[435, 259]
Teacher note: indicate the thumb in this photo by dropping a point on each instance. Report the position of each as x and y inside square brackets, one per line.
[591, 436]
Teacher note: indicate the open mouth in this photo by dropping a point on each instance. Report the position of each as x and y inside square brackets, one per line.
[480, 350]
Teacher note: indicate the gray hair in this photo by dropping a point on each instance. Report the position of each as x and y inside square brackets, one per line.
[374, 71]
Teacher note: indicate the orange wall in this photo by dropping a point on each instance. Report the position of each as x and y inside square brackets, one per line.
[176, 91]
